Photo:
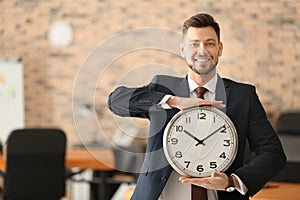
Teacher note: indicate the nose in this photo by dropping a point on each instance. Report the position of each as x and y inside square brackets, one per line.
[201, 49]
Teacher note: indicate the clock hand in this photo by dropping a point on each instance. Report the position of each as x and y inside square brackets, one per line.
[211, 134]
[195, 138]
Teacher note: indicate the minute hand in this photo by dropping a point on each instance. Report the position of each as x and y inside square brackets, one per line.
[210, 135]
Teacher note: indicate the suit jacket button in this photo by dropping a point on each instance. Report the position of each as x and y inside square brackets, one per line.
[163, 179]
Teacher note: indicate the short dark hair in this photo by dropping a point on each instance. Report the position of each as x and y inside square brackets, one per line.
[201, 20]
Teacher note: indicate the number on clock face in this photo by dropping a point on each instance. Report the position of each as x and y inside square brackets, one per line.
[199, 141]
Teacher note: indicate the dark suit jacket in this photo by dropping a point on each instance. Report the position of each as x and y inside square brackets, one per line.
[243, 108]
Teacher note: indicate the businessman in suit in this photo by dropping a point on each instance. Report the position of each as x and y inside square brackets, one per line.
[166, 95]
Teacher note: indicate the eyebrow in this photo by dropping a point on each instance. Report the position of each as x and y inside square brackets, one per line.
[196, 40]
[207, 40]
[211, 39]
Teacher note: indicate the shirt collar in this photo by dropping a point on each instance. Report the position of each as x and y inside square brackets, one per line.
[210, 85]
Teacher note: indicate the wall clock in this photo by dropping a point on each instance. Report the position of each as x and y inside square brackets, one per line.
[200, 140]
[60, 34]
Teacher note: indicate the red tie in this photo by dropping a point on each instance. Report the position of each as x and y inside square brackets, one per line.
[199, 193]
[200, 92]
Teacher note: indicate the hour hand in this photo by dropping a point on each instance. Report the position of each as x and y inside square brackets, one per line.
[194, 137]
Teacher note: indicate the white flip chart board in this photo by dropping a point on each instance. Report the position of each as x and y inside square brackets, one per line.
[11, 97]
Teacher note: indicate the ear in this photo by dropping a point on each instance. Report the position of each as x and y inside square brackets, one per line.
[181, 50]
[220, 49]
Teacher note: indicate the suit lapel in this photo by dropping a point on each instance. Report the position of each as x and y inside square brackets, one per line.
[182, 89]
[222, 92]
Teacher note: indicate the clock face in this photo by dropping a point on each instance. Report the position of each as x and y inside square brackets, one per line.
[200, 140]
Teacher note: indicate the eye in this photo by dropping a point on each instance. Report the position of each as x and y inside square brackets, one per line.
[211, 44]
[194, 44]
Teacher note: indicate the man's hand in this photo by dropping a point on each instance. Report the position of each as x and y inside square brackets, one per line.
[184, 102]
[217, 181]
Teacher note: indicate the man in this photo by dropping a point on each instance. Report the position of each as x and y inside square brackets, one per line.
[165, 96]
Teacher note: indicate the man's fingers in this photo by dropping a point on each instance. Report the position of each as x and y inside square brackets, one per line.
[217, 181]
[217, 104]
[203, 182]
[183, 103]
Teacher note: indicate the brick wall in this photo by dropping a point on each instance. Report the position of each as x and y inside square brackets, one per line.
[261, 47]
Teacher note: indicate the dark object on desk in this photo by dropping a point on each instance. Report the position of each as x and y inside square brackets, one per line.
[288, 129]
[1, 148]
[289, 174]
[35, 165]
[289, 123]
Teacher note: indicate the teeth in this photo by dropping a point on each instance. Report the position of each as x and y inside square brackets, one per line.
[202, 59]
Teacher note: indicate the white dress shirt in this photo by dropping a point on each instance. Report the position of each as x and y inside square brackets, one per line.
[174, 189]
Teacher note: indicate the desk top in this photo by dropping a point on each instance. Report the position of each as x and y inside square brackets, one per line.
[2, 163]
[96, 159]
[278, 191]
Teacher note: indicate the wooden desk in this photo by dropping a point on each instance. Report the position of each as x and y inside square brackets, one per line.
[2, 163]
[278, 191]
[95, 159]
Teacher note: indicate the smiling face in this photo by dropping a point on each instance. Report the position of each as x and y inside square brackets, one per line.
[201, 49]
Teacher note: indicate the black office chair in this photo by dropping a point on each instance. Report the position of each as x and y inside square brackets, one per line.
[288, 129]
[35, 165]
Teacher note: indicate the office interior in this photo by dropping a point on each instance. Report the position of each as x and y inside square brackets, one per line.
[71, 54]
